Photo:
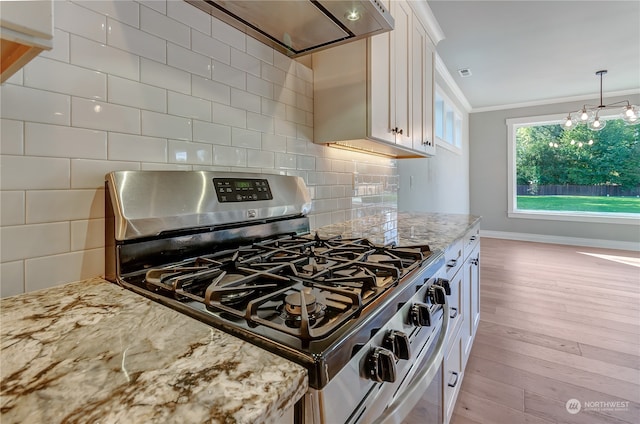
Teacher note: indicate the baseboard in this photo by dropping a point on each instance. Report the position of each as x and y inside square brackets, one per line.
[572, 241]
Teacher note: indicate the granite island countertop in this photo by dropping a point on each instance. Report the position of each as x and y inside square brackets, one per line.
[93, 352]
[438, 230]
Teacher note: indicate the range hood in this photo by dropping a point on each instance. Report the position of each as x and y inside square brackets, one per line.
[300, 27]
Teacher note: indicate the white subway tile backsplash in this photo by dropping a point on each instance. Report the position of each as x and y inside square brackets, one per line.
[228, 35]
[272, 74]
[207, 132]
[189, 61]
[163, 76]
[227, 75]
[188, 152]
[307, 163]
[285, 161]
[246, 62]
[211, 90]
[163, 125]
[30, 241]
[103, 58]
[228, 115]
[33, 173]
[245, 138]
[304, 72]
[127, 147]
[304, 132]
[123, 11]
[284, 95]
[30, 104]
[11, 208]
[261, 123]
[283, 62]
[64, 142]
[104, 116]
[189, 15]
[87, 173]
[210, 47]
[60, 50]
[305, 103]
[11, 278]
[164, 27]
[157, 5]
[259, 86]
[191, 107]
[79, 20]
[63, 205]
[135, 41]
[260, 159]
[273, 108]
[70, 79]
[229, 156]
[165, 167]
[41, 273]
[247, 101]
[285, 128]
[259, 50]
[132, 93]
[87, 234]
[274, 143]
[296, 115]
[11, 137]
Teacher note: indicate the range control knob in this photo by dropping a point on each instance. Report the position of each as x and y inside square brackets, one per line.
[398, 343]
[420, 315]
[444, 283]
[436, 295]
[381, 365]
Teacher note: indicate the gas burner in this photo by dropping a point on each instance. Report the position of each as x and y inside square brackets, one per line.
[292, 309]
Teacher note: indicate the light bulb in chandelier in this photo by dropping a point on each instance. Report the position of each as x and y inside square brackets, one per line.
[631, 114]
[597, 124]
[568, 123]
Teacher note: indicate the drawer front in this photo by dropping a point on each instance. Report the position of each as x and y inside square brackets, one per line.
[454, 258]
[452, 376]
[457, 312]
[471, 239]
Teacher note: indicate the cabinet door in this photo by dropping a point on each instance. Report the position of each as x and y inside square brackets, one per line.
[466, 334]
[474, 276]
[400, 94]
[422, 89]
[379, 101]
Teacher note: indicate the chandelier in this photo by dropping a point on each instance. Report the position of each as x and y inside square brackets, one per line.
[590, 114]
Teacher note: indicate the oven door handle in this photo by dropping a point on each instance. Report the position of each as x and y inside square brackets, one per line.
[408, 399]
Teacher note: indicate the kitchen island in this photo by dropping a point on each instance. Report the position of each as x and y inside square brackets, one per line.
[93, 352]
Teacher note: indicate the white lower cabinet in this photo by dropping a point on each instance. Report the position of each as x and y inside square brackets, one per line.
[463, 272]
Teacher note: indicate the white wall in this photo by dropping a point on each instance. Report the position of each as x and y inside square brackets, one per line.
[151, 85]
[488, 175]
[440, 183]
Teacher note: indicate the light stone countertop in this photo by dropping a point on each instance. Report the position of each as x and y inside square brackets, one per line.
[438, 230]
[93, 352]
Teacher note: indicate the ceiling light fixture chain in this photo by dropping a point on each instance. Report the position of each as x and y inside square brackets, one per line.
[590, 115]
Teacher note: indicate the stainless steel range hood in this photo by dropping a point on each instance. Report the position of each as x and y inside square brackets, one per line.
[300, 27]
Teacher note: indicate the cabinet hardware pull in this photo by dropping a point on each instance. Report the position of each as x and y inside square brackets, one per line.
[454, 312]
[455, 381]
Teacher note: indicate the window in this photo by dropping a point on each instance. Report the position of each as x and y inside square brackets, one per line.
[578, 175]
[448, 123]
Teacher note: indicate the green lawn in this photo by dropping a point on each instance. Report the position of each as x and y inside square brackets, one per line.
[580, 203]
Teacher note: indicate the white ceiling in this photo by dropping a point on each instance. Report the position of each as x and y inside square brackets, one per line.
[526, 52]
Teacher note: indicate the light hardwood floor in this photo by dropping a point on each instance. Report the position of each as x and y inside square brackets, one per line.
[557, 323]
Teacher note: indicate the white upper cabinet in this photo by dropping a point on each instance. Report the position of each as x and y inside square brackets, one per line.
[377, 95]
[26, 29]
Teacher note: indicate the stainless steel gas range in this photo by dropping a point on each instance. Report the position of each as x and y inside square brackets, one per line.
[235, 251]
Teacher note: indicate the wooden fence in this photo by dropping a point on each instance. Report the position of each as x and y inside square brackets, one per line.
[577, 190]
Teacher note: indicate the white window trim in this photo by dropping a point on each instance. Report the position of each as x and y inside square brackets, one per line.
[456, 112]
[512, 189]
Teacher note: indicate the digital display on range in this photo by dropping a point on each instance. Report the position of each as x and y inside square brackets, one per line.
[242, 190]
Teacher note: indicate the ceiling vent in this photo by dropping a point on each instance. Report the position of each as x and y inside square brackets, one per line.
[464, 72]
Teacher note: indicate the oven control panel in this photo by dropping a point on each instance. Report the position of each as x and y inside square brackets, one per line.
[242, 189]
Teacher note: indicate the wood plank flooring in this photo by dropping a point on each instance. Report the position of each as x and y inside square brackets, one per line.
[556, 323]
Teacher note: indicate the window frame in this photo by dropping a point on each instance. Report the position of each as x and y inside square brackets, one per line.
[456, 131]
[512, 189]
